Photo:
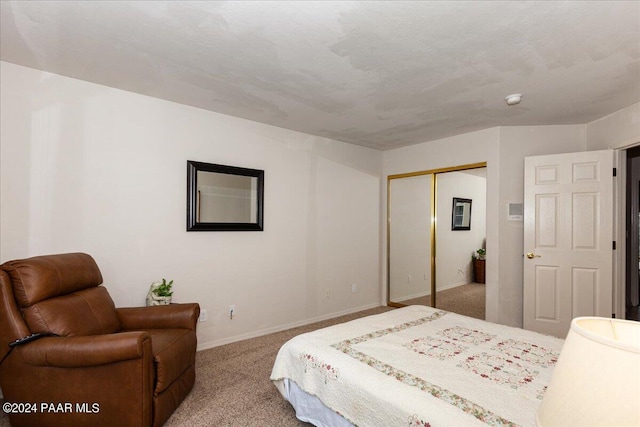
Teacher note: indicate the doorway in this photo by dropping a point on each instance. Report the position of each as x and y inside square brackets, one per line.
[436, 221]
[632, 285]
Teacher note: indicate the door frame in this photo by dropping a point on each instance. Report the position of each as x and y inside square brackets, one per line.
[619, 231]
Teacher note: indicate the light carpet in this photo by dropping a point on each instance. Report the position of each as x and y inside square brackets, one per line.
[468, 300]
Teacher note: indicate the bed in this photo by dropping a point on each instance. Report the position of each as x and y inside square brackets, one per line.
[416, 366]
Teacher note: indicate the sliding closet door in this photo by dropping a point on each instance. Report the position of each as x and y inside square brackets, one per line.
[460, 232]
[420, 218]
[409, 216]
[457, 243]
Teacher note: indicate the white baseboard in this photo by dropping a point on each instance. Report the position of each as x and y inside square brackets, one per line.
[428, 293]
[216, 343]
[412, 296]
[453, 285]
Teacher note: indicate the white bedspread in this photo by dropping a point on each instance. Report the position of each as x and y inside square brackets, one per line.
[418, 366]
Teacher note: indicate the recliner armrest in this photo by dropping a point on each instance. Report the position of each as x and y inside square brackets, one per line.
[84, 351]
[171, 316]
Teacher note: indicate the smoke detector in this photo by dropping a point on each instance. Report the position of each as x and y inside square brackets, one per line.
[513, 99]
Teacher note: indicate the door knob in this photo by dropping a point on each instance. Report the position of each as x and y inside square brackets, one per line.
[531, 255]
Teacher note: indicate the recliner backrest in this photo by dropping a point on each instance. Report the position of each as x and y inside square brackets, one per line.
[12, 324]
[61, 295]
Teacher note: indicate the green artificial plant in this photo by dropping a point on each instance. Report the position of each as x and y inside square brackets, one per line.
[164, 290]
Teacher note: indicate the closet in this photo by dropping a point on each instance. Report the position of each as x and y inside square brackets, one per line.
[436, 222]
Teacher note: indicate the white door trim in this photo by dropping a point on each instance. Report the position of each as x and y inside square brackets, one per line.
[620, 233]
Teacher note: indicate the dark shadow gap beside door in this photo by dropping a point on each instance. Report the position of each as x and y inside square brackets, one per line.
[632, 286]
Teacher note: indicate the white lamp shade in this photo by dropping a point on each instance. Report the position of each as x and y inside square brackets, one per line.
[596, 381]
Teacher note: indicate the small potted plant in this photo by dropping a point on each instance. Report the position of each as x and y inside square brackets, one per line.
[160, 293]
[478, 259]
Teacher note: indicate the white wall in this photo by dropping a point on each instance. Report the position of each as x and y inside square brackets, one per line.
[90, 168]
[617, 130]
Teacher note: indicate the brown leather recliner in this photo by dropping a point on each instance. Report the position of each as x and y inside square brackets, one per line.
[98, 365]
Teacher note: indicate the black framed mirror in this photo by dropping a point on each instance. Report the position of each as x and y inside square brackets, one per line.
[224, 198]
[461, 214]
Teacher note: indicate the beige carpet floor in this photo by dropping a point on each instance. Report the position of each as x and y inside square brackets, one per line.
[468, 300]
[232, 383]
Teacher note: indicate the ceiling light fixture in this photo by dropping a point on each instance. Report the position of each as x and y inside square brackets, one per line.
[513, 99]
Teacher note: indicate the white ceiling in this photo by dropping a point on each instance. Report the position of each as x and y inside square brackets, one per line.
[378, 74]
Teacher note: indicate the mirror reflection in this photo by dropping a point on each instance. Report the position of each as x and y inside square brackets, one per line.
[461, 214]
[410, 239]
[224, 198]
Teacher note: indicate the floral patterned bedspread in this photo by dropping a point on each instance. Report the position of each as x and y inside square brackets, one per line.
[419, 366]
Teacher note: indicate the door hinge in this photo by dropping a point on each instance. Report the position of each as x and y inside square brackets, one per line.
[614, 245]
[615, 171]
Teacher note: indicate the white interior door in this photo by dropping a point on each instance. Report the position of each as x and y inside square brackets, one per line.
[568, 238]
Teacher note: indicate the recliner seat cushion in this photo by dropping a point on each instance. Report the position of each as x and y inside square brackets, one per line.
[174, 351]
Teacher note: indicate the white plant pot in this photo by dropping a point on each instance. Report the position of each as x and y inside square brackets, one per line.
[153, 299]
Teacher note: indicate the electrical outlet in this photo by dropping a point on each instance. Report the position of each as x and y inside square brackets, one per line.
[409, 278]
[354, 288]
[327, 293]
[232, 311]
[203, 316]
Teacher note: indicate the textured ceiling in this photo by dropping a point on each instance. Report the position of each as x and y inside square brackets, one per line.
[378, 74]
